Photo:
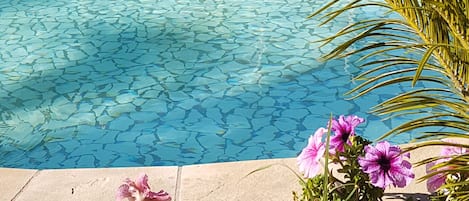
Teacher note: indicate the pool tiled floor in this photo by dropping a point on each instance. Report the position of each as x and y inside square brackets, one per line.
[88, 83]
[207, 182]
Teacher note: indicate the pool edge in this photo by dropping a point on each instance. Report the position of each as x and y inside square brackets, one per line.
[217, 181]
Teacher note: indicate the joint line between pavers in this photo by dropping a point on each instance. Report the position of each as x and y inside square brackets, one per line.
[178, 183]
[24, 186]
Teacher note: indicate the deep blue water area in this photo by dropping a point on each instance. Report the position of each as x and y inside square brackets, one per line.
[138, 83]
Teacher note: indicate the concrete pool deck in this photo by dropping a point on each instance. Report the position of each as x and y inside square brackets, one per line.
[207, 182]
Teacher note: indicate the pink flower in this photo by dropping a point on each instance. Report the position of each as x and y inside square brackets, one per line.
[140, 191]
[344, 127]
[385, 165]
[434, 182]
[449, 151]
[308, 160]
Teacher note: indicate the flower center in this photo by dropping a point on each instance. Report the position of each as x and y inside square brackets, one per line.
[385, 163]
[345, 136]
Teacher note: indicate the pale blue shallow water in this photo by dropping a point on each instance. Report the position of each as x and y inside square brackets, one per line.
[139, 83]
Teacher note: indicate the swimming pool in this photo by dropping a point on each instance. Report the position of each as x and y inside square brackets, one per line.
[139, 83]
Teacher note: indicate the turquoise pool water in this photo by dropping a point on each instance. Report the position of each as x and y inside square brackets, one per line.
[87, 83]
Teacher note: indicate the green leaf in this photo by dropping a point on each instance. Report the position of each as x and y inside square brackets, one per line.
[422, 63]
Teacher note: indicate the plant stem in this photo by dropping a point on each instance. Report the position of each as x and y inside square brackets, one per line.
[351, 193]
[326, 164]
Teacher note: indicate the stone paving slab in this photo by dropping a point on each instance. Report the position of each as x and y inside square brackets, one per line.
[207, 182]
[230, 181]
[92, 184]
[12, 180]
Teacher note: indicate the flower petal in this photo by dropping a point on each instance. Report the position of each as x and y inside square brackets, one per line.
[308, 160]
[123, 192]
[142, 183]
[317, 137]
[434, 182]
[159, 196]
[368, 166]
[343, 128]
[402, 175]
[380, 179]
[385, 166]
[383, 147]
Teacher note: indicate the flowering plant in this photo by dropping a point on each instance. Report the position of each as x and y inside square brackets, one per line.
[140, 191]
[366, 169]
[445, 181]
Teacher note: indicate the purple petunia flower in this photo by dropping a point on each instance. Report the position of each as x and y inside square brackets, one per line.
[434, 182]
[385, 165]
[140, 191]
[343, 127]
[308, 160]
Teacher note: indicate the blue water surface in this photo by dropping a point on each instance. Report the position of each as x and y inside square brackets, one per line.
[87, 83]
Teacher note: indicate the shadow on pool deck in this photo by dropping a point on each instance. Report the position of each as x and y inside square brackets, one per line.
[405, 196]
[220, 181]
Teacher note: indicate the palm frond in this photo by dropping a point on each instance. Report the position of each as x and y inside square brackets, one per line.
[427, 43]
[434, 49]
